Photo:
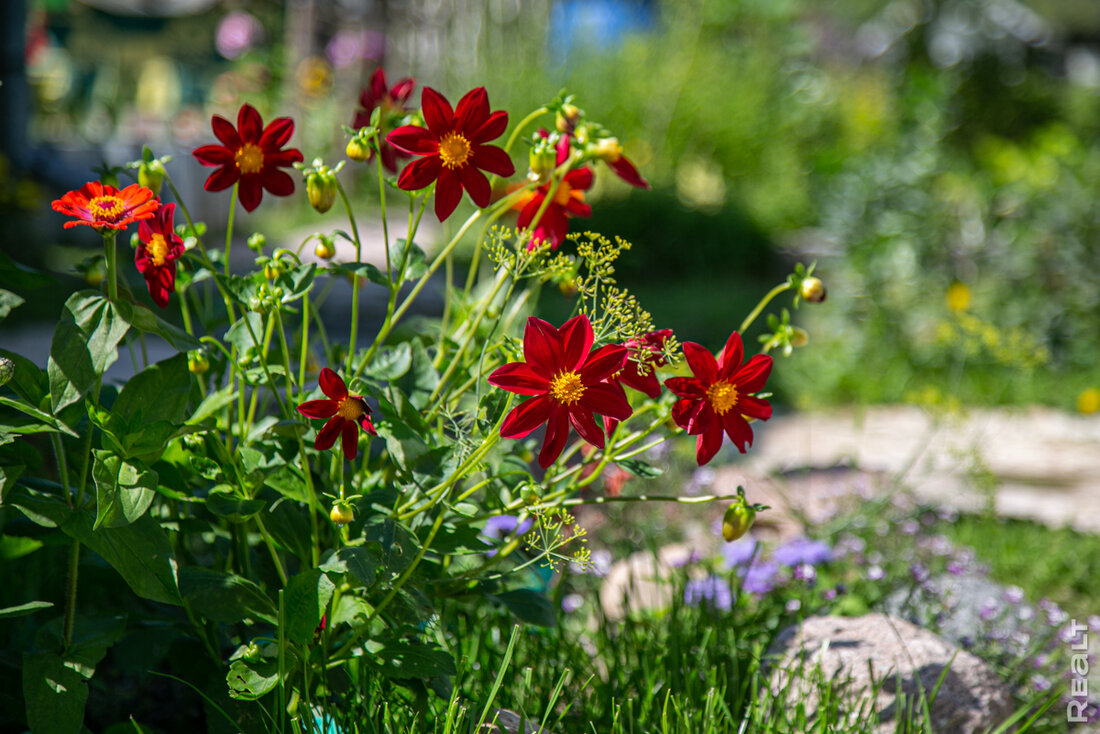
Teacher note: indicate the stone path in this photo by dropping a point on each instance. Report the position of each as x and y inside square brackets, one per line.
[1034, 463]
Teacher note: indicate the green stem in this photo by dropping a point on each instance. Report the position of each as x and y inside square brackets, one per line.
[355, 276]
[70, 595]
[111, 255]
[229, 226]
[286, 359]
[408, 571]
[271, 549]
[382, 203]
[760, 306]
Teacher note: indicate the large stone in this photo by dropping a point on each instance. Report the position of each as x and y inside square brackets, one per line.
[861, 653]
[644, 581]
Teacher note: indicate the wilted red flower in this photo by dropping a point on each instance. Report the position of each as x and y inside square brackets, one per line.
[719, 396]
[251, 154]
[566, 379]
[158, 249]
[651, 345]
[346, 414]
[609, 150]
[453, 149]
[392, 101]
[105, 207]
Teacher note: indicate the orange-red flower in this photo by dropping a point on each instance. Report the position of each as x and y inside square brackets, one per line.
[105, 207]
[453, 149]
[392, 101]
[251, 154]
[567, 202]
[719, 396]
[158, 249]
[567, 380]
[346, 414]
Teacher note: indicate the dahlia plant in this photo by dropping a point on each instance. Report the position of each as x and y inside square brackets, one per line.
[300, 507]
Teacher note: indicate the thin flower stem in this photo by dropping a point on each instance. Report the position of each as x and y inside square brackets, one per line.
[355, 276]
[267, 373]
[229, 226]
[111, 255]
[649, 498]
[304, 346]
[286, 359]
[493, 217]
[382, 203]
[763, 303]
[436, 494]
[271, 548]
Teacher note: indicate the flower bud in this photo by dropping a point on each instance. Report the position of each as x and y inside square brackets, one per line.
[566, 119]
[358, 149]
[272, 269]
[737, 520]
[341, 514]
[540, 164]
[252, 653]
[7, 370]
[321, 188]
[151, 176]
[799, 337]
[530, 495]
[812, 290]
[1088, 401]
[197, 362]
[324, 249]
[109, 178]
[257, 241]
[608, 149]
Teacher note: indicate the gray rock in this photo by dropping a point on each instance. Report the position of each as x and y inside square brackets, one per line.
[856, 653]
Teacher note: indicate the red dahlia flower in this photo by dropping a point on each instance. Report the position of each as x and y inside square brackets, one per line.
[105, 207]
[719, 396]
[566, 379]
[651, 345]
[453, 149]
[251, 154]
[345, 412]
[392, 101]
[158, 249]
[568, 201]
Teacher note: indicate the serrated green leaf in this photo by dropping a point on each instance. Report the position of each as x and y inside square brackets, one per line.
[307, 596]
[223, 597]
[251, 681]
[239, 335]
[84, 345]
[297, 281]
[124, 490]
[158, 393]
[640, 468]
[391, 363]
[415, 261]
[358, 562]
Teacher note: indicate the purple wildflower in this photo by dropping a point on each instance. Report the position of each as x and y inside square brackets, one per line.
[501, 526]
[792, 605]
[711, 591]
[1014, 595]
[988, 609]
[805, 572]
[803, 550]
[875, 573]
[739, 552]
[571, 603]
[760, 577]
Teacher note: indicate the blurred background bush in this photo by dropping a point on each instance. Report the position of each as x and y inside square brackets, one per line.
[937, 158]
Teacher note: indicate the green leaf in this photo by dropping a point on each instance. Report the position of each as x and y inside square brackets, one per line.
[228, 505]
[44, 419]
[223, 597]
[391, 364]
[140, 552]
[54, 694]
[425, 377]
[124, 490]
[46, 509]
[251, 681]
[24, 609]
[211, 404]
[8, 475]
[363, 270]
[412, 660]
[8, 302]
[358, 562]
[289, 529]
[157, 393]
[528, 606]
[13, 547]
[307, 596]
[145, 320]
[296, 282]
[206, 468]
[84, 346]
[239, 336]
[640, 468]
[415, 264]
[16, 275]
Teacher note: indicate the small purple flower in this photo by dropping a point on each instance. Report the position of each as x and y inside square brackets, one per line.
[805, 572]
[1071, 634]
[792, 606]
[236, 33]
[1014, 595]
[571, 603]
[919, 572]
[739, 552]
[501, 526]
[955, 568]
[760, 578]
[988, 609]
[1025, 613]
[712, 591]
[875, 573]
[1040, 660]
[1040, 683]
[947, 513]
[850, 545]
[1094, 622]
[909, 527]
[830, 594]
[803, 550]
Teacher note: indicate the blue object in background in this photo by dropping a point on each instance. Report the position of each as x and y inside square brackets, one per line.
[596, 24]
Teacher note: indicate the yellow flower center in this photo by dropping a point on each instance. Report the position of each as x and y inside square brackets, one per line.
[563, 193]
[454, 150]
[351, 409]
[106, 208]
[567, 388]
[249, 159]
[722, 396]
[158, 249]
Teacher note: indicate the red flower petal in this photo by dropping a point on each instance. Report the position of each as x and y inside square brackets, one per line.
[282, 158]
[701, 362]
[576, 338]
[493, 159]
[754, 374]
[542, 347]
[277, 182]
[686, 413]
[625, 170]
[437, 112]
[526, 417]
[332, 385]
[420, 173]
[327, 436]
[529, 210]
[350, 443]
[493, 128]
[250, 191]
[213, 155]
[413, 139]
[400, 91]
[579, 178]
[604, 362]
[222, 178]
[226, 133]
[731, 357]
[448, 192]
[737, 428]
[277, 134]
[518, 377]
[607, 399]
[586, 426]
[707, 445]
[249, 124]
[367, 426]
[476, 185]
[318, 408]
[754, 407]
[471, 112]
[557, 433]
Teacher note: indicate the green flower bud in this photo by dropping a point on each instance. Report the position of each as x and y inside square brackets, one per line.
[799, 337]
[321, 188]
[812, 289]
[324, 250]
[151, 176]
[738, 519]
[358, 149]
[541, 164]
[197, 362]
[341, 514]
[566, 119]
[256, 241]
[7, 370]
